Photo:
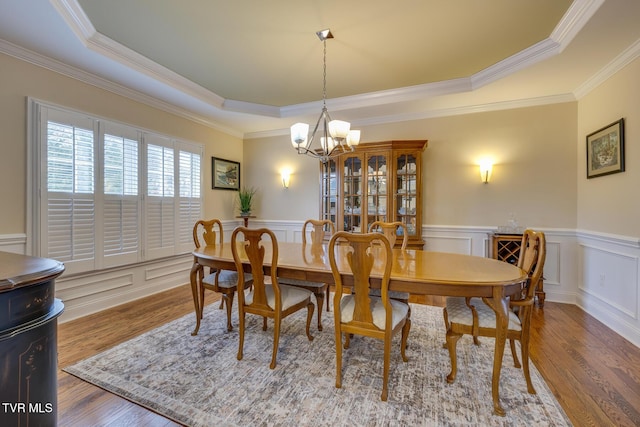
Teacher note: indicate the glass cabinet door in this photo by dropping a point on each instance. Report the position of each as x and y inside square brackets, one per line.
[376, 189]
[352, 196]
[406, 191]
[329, 191]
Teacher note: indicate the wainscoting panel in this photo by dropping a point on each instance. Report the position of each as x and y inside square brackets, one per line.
[14, 243]
[598, 272]
[606, 277]
[552, 264]
[455, 244]
[89, 293]
[608, 284]
[78, 287]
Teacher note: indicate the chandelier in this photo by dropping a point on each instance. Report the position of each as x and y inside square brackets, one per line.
[336, 136]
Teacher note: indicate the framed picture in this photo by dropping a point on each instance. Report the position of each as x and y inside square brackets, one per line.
[225, 174]
[605, 150]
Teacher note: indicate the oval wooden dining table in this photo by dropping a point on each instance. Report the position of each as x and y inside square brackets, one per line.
[415, 271]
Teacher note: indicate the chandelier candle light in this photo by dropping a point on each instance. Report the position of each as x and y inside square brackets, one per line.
[336, 136]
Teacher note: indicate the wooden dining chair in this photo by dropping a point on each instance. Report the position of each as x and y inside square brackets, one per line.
[319, 228]
[267, 297]
[473, 317]
[360, 313]
[210, 233]
[390, 231]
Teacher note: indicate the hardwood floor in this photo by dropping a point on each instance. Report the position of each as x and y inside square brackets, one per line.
[592, 371]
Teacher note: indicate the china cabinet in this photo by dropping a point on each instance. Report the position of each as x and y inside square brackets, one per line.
[379, 181]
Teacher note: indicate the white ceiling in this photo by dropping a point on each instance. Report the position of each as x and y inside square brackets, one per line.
[252, 68]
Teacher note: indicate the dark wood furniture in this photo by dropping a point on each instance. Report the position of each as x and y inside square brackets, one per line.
[378, 181]
[245, 218]
[506, 247]
[28, 340]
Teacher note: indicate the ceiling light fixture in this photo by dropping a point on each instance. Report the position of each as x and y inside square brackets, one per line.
[336, 136]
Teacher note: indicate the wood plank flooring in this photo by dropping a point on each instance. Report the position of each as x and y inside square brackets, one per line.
[592, 371]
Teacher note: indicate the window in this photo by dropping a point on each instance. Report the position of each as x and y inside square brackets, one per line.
[109, 194]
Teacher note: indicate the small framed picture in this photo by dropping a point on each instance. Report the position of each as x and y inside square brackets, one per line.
[605, 150]
[225, 174]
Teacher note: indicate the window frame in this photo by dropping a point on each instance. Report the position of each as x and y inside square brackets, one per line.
[39, 113]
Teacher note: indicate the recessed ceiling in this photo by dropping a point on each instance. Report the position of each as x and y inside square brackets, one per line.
[267, 52]
[252, 68]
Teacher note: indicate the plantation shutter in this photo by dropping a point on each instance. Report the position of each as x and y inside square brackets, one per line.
[121, 206]
[108, 194]
[160, 214]
[68, 206]
[190, 202]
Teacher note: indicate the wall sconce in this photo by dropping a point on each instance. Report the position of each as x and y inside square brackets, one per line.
[485, 171]
[286, 176]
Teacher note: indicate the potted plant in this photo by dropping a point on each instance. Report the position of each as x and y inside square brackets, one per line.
[245, 200]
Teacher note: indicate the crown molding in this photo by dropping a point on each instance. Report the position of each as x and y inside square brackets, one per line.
[444, 112]
[577, 15]
[619, 62]
[99, 82]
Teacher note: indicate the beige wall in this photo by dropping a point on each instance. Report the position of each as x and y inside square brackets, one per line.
[610, 204]
[539, 173]
[20, 80]
[534, 175]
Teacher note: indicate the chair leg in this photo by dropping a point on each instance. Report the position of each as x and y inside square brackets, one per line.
[310, 307]
[241, 327]
[201, 297]
[514, 353]
[408, 321]
[320, 304]
[446, 324]
[229, 301]
[276, 339]
[385, 369]
[405, 335]
[452, 341]
[328, 295]
[338, 357]
[264, 323]
[524, 344]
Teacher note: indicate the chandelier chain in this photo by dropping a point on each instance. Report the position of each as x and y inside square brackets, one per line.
[324, 74]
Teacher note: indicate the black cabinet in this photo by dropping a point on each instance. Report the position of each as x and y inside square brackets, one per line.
[28, 340]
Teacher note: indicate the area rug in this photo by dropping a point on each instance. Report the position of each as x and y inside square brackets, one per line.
[197, 380]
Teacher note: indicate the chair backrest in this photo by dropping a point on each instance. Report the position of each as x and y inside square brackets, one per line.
[363, 250]
[247, 244]
[533, 253]
[204, 232]
[320, 226]
[390, 230]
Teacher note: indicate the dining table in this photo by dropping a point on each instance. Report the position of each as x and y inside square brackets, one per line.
[418, 272]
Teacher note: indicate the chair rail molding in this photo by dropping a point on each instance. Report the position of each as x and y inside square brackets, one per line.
[599, 272]
[15, 243]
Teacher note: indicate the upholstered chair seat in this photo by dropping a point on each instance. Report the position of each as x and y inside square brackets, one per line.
[399, 310]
